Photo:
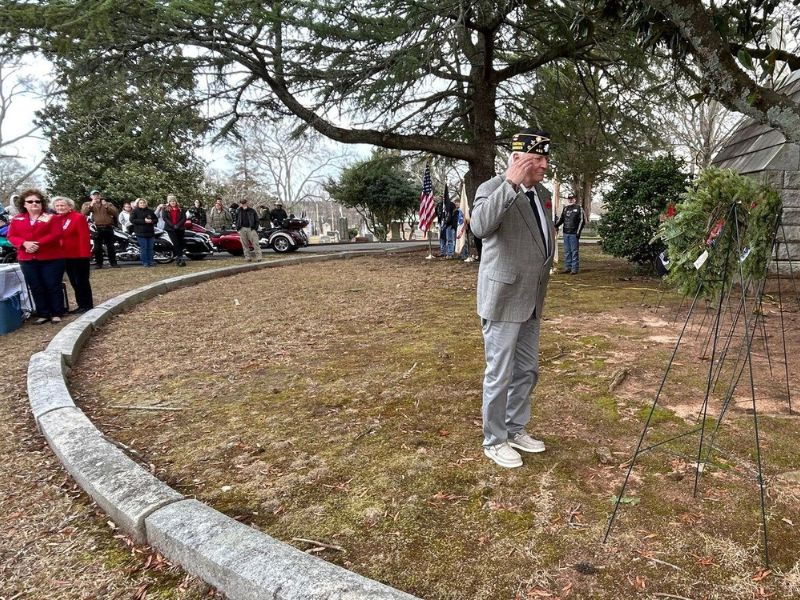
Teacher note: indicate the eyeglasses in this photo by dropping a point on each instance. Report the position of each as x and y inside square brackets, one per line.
[33, 201]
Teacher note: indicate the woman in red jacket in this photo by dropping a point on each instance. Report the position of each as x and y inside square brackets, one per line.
[37, 236]
[78, 251]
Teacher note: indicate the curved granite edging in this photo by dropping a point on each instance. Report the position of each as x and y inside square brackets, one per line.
[240, 561]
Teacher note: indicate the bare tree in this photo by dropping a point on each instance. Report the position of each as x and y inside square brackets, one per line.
[702, 130]
[289, 165]
[13, 85]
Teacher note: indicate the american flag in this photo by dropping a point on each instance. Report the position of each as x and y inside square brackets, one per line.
[426, 211]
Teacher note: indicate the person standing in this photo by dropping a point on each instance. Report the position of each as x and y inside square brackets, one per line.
[264, 217]
[246, 223]
[451, 224]
[75, 239]
[573, 218]
[197, 213]
[144, 221]
[219, 218]
[12, 205]
[277, 215]
[125, 218]
[103, 215]
[37, 236]
[175, 226]
[518, 241]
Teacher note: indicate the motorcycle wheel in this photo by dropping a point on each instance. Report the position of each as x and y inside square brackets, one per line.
[196, 256]
[281, 245]
[164, 257]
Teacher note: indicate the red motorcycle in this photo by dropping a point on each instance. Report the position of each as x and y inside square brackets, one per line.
[226, 240]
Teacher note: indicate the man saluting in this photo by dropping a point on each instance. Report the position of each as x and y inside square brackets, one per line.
[509, 214]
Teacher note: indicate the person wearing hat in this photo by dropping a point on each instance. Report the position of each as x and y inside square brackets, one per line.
[246, 223]
[510, 215]
[573, 219]
[277, 214]
[103, 216]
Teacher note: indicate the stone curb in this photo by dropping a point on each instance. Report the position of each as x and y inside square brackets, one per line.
[238, 560]
[123, 489]
[247, 564]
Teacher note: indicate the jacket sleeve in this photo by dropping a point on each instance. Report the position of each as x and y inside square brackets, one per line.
[86, 208]
[492, 201]
[181, 224]
[14, 236]
[560, 220]
[84, 235]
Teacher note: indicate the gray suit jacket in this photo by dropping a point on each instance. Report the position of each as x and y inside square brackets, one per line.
[515, 269]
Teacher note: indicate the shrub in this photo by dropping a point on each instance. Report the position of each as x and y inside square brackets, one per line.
[635, 206]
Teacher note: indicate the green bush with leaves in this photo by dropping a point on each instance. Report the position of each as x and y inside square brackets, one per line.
[635, 205]
[732, 218]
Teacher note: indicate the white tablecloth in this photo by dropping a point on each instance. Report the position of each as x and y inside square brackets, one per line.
[11, 282]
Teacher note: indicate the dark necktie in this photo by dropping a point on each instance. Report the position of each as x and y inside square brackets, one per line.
[532, 197]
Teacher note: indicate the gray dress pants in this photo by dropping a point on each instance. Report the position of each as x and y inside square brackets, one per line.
[512, 371]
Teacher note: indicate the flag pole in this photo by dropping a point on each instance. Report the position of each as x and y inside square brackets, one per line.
[430, 247]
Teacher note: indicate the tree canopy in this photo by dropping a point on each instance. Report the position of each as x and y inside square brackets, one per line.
[436, 76]
[422, 75]
[129, 137]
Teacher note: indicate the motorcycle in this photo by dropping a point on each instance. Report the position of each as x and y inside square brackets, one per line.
[288, 237]
[195, 245]
[127, 248]
[8, 253]
[226, 240]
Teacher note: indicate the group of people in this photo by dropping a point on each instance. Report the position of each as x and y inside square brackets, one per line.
[53, 239]
[50, 244]
[139, 219]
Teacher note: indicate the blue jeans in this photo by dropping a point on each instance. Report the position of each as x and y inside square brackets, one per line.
[571, 252]
[44, 277]
[450, 232]
[146, 245]
[443, 242]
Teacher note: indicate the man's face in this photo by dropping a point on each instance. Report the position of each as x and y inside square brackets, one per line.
[572, 200]
[536, 165]
[96, 197]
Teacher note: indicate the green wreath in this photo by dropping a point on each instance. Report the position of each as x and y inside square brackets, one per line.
[726, 222]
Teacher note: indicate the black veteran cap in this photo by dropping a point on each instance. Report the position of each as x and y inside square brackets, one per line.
[534, 141]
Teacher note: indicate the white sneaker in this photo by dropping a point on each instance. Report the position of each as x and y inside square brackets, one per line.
[504, 455]
[522, 441]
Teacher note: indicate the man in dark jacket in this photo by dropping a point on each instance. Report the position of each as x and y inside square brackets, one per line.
[573, 219]
[277, 215]
[246, 223]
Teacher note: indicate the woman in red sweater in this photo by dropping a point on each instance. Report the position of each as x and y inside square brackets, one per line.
[77, 250]
[37, 236]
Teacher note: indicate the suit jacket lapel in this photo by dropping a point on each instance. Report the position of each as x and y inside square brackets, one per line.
[530, 220]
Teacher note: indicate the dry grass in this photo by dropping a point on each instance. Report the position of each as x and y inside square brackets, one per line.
[54, 542]
[340, 402]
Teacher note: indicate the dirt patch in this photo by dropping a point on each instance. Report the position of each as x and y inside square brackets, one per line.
[340, 402]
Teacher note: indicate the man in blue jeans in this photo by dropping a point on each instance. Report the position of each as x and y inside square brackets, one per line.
[573, 219]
